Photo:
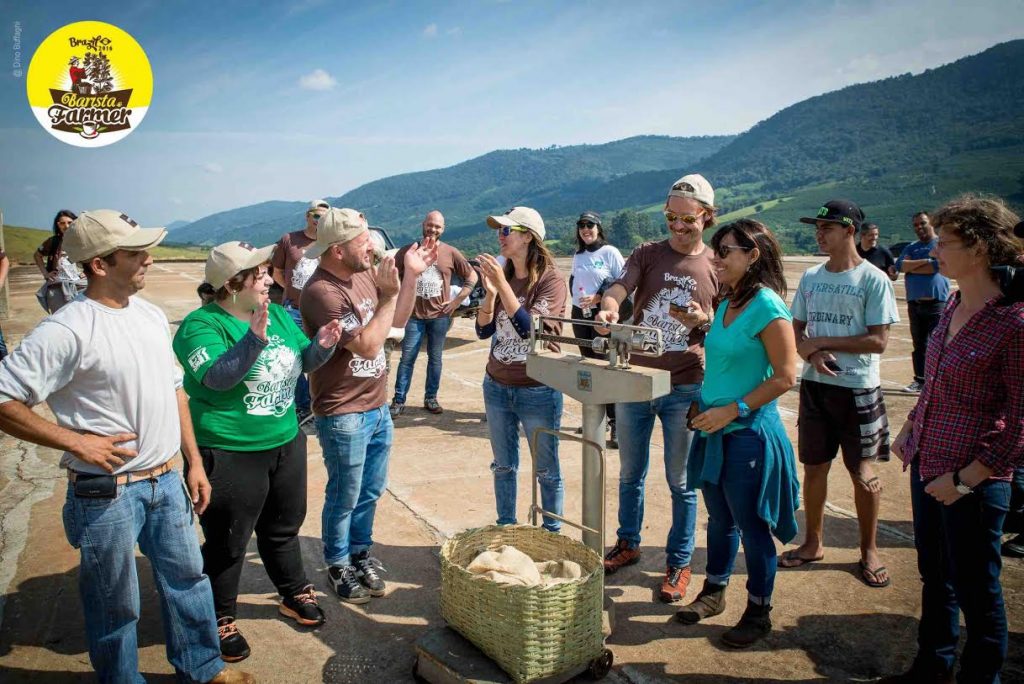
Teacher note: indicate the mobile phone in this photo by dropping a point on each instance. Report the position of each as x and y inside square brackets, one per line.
[833, 366]
[692, 413]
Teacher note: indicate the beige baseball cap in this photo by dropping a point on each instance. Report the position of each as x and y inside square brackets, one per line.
[104, 231]
[520, 216]
[231, 258]
[336, 225]
[694, 186]
[318, 204]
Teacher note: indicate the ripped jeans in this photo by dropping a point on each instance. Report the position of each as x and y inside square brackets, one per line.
[508, 407]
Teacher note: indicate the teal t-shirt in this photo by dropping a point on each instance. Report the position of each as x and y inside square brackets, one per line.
[735, 358]
[845, 305]
[259, 412]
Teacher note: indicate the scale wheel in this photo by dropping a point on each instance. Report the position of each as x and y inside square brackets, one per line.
[601, 665]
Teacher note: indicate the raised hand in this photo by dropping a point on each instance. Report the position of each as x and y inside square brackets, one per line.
[259, 320]
[491, 270]
[420, 257]
[102, 451]
[330, 334]
[387, 276]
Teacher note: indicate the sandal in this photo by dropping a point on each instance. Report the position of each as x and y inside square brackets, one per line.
[870, 575]
[789, 559]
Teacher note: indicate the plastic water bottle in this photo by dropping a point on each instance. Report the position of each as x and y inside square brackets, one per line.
[587, 312]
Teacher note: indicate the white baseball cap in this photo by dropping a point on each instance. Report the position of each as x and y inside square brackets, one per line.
[694, 186]
[520, 216]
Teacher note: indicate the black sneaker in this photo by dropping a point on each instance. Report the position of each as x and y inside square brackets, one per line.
[367, 568]
[396, 409]
[303, 608]
[613, 440]
[233, 646]
[348, 588]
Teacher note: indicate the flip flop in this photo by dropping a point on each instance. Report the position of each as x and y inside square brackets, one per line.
[870, 576]
[789, 559]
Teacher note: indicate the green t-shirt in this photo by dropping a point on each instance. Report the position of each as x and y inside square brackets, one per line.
[259, 412]
[735, 356]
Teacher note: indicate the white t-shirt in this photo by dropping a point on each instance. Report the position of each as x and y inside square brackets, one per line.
[105, 371]
[590, 269]
[844, 305]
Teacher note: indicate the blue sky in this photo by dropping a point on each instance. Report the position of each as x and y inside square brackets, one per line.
[310, 98]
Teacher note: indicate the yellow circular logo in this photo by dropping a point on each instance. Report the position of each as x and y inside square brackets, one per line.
[89, 84]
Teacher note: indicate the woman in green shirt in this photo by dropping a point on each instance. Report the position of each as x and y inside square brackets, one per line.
[741, 459]
[242, 356]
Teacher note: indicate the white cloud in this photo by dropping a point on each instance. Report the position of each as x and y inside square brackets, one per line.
[454, 31]
[213, 167]
[430, 31]
[318, 79]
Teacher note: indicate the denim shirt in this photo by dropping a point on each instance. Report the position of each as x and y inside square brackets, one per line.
[779, 493]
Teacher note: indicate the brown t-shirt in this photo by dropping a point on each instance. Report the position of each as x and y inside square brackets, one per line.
[661, 276]
[347, 383]
[507, 361]
[290, 259]
[433, 285]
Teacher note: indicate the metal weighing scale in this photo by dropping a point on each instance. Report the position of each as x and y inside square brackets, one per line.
[442, 655]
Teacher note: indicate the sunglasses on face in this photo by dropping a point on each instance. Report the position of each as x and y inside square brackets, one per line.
[505, 231]
[314, 214]
[723, 251]
[688, 219]
[586, 224]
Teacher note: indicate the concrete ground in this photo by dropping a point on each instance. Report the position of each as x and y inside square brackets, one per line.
[828, 625]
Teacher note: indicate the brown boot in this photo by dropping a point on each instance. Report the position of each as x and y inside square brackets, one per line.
[673, 587]
[620, 556]
[709, 603]
[229, 676]
[752, 627]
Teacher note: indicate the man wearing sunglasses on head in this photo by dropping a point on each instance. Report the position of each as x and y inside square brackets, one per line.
[674, 286]
[291, 270]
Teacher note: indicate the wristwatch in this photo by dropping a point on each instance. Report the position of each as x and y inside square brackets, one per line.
[742, 408]
[958, 483]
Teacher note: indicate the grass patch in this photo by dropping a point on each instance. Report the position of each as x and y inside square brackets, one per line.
[20, 243]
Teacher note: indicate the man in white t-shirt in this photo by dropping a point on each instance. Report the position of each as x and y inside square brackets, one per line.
[842, 311]
[104, 365]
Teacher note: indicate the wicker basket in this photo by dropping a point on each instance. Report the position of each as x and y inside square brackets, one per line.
[530, 632]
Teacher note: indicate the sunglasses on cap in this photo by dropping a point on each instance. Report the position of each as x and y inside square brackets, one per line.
[723, 251]
[505, 231]
[685, 218]
[586, 224]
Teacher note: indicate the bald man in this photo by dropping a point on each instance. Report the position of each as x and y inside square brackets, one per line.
[431, 315]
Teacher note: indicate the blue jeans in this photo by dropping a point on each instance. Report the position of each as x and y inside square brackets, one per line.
[635, 421]
[958, 558]
[732, 514]
[507, 407]
[356, 447]
[435, 329]
[157, 514]
[302, 401]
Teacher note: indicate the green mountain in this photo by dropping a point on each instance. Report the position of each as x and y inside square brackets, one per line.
[895, 146]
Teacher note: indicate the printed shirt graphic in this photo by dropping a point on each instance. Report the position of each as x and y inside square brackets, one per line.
[434, 286]
[844, 305]
[507, 360]
[347, 382]
[662, 277]
[289, 258]
[259, 412]
[591, 269]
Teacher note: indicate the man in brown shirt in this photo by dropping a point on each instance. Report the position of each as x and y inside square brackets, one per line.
[349, 391]
[431, 314]
[291, 270]
[674, 287]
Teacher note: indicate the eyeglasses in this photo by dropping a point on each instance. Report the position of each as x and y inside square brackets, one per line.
[505, 231]
[315, 215]
[586, 224]
[723, 250]
[688, 219]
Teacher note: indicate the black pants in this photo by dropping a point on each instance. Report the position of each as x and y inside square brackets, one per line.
[261, 490]
[924, 316]
[587, 332]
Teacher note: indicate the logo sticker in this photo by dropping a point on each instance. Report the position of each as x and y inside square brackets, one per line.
[197, 358]
[89, 84]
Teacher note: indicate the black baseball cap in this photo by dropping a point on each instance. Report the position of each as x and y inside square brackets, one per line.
[1018, 230]
[844, 212]
[592, 216]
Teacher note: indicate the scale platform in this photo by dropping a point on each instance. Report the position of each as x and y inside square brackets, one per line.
[443, 656]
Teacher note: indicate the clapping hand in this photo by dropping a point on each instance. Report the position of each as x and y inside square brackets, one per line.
[259, 319]
[387, 275]
[420, 257]
[330, 334]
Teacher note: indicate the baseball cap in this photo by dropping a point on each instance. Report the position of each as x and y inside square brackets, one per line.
[104, 231]
[520, 216]
[336, 225]
[591, 216]
[318, 204]
[694, 186]
[231, 258]
[838, 211]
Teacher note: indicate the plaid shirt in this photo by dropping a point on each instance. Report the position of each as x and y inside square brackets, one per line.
[972, 404]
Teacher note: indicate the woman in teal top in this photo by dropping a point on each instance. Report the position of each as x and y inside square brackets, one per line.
[741, 459]
[242, 356]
